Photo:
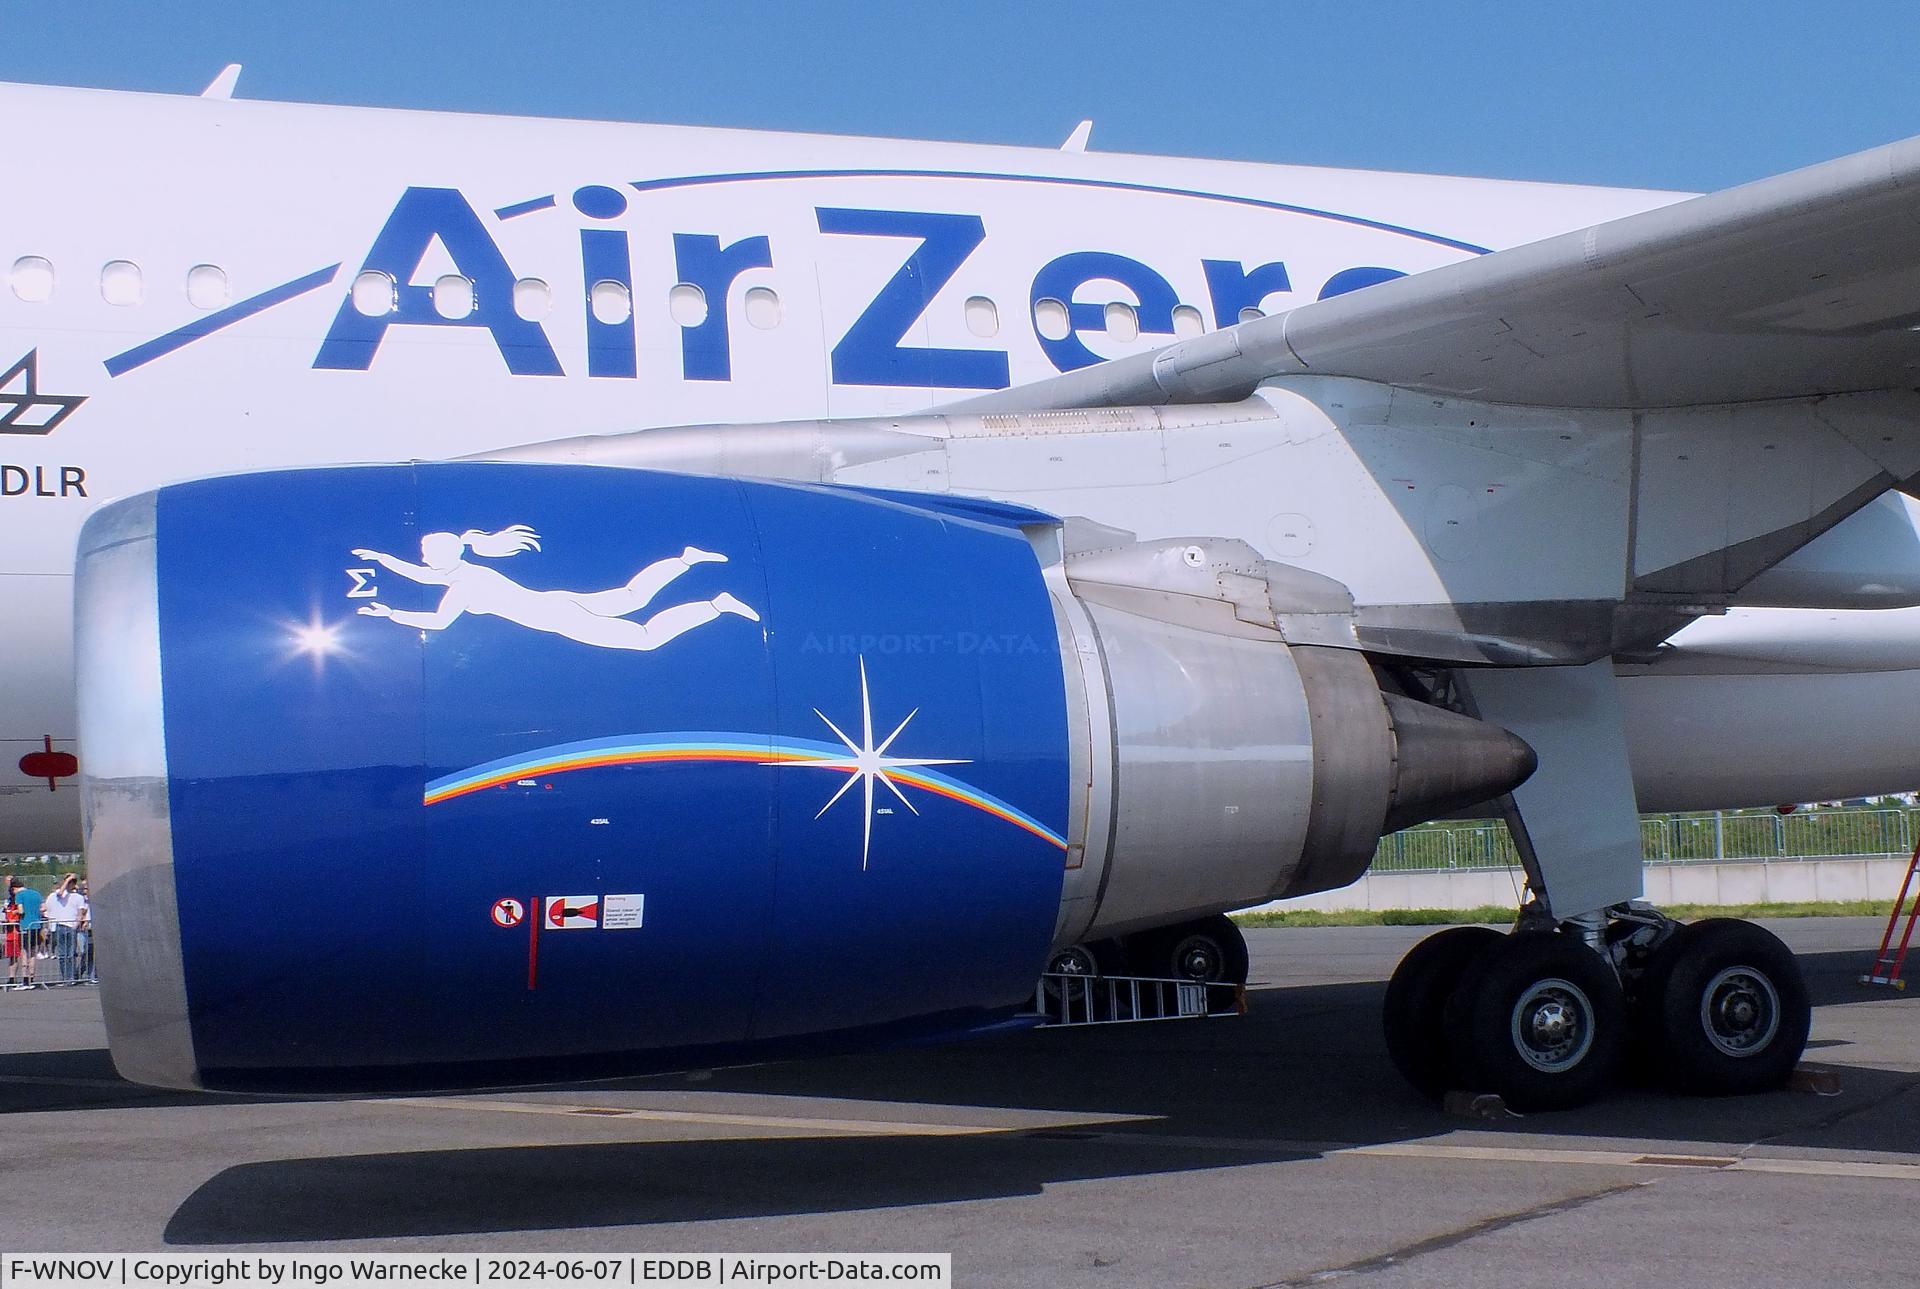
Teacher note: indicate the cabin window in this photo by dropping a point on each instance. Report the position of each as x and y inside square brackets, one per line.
[207, 287]
[373, 294]
[32, 279]
[1050, 319]
[1123, 324]
[687, 304]
[120, 283]
[763, 308]
[532, 299]
[983, 317]
[1187, 322]
[612, 302]
[1249, 313]
[453, 297]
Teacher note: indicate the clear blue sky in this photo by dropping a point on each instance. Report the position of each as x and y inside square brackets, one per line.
[1685, 94]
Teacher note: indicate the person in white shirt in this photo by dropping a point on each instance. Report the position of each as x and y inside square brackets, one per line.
[64, 911]
[83, 938]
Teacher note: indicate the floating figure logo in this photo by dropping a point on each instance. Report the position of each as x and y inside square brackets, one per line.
[598, 618]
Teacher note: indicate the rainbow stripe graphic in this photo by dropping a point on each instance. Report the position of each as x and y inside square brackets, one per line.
[745, 749]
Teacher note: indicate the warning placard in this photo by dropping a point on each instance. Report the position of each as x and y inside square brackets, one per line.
[622, 912]
[572, 912]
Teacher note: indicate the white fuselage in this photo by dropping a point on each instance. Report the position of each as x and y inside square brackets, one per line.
[207, 275]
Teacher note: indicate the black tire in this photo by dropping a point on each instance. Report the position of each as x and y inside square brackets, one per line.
[1090, 959]
[1645, 1063]
[1724, 1009]
[1414, 1012]
[1540, 1019]
[1206, 949]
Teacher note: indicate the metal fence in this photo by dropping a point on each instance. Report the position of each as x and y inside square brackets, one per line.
[46, 956]
[1705, 837]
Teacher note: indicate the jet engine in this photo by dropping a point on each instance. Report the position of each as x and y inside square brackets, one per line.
[476, 772]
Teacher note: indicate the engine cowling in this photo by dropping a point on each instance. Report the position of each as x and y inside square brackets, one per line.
[467, 773]
[1246, 748]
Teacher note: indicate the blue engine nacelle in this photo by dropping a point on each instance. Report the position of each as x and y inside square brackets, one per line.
[464, 773]
[485, 772]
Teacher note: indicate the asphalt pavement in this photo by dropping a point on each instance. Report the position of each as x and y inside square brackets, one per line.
[1278, 1148]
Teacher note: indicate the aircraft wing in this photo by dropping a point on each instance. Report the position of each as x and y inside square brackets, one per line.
[1803, 284]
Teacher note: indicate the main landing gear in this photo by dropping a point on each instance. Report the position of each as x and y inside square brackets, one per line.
[1207, 950]
[1547, 1016]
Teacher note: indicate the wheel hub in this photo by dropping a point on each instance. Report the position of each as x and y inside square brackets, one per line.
[1198, 960]
[1071, 962]
[1552, 1025]
[1076, 962]
[1740, 1011]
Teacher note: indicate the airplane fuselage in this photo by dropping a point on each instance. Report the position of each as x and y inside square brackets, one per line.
[1185, 605]
[200, 287]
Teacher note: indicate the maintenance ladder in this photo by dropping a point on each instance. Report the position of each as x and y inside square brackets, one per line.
[1069, 998]
[1887, 965]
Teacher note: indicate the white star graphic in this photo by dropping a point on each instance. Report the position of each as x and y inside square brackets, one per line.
[867, 763]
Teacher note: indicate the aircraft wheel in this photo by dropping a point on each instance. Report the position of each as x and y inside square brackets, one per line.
[1082, 962]
[1540, 1019]
[1415, 1007]
[1207, 949]
[1724, 1008]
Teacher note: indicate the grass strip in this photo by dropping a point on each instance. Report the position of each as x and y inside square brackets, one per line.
[1501, 915]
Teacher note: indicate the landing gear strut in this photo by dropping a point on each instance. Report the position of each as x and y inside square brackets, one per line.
[1544, 1016]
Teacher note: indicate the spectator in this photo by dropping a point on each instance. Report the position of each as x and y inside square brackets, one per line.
[64, 910]
[83, 953]
[10, 920]
[30, 925]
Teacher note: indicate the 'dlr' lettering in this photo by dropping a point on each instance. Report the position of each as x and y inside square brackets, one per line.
[43, 481]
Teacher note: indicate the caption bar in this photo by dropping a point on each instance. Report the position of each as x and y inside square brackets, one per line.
[466, 1270]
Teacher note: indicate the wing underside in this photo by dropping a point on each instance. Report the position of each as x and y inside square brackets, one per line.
[1801, 285]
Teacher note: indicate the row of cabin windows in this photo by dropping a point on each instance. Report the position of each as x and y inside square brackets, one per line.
[376, 293]
[121, 283]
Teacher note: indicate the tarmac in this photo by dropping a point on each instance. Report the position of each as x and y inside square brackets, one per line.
[1276, 1148]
